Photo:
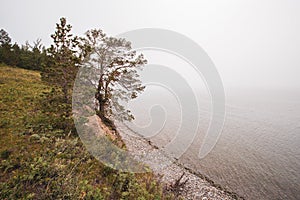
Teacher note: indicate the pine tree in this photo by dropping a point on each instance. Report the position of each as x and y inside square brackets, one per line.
[63, 65]
[4, 37]
[115, 66]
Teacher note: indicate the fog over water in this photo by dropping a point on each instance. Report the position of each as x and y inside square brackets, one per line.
[258, 153]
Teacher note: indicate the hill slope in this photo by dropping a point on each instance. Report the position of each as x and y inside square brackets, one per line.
[40, 161]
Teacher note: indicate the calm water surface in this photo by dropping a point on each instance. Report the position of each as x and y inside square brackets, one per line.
[258, 153]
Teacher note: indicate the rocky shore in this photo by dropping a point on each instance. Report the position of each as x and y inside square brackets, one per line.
[196, 186]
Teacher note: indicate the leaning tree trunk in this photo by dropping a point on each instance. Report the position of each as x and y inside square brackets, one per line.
[100, 110]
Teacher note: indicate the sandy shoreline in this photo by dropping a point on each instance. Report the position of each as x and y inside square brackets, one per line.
[197, 187]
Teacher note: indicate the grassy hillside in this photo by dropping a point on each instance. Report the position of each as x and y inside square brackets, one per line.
[40, 161]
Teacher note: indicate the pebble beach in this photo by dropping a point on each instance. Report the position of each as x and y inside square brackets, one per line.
[170, 170]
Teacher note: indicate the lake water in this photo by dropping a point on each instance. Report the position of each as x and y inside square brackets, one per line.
[258, 153]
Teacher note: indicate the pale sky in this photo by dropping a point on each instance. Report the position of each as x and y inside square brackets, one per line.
[252, 43]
